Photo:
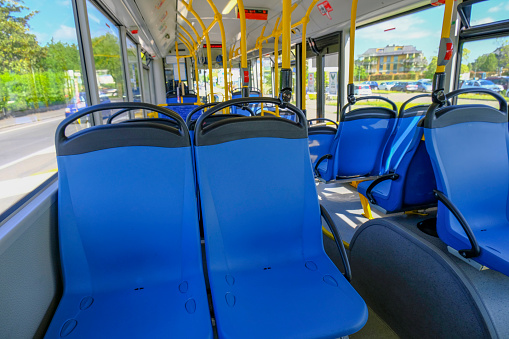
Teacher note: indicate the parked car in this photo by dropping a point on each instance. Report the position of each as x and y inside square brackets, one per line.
[412, 87]
[399, 86]
[386, 86]
[372, 84]
[424, 86]
[362, 90]
[501, 81]
[483, 84]
[80, 102]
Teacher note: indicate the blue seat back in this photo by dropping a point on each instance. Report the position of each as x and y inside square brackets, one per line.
[189, 99]
[254, 217]
[401, 137]
[469, 147]
[172, 100]
[238, 94]
[360, 140]
[182, 109]
[127, 207]
[320, 140]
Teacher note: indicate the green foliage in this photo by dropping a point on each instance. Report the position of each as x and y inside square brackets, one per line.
[359, 73]
[431, 69]
[19, 50]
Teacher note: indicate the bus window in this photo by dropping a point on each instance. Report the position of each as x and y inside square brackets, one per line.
[396, 58]
[41, 82]
[484, 64]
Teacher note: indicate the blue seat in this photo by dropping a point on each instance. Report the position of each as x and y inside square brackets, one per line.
[357, 148]
[189, 98]
[238, 94]
[408, 181]
[182, 109]
[469, 150]
[128, 232]
[409, 184]
[268, 271]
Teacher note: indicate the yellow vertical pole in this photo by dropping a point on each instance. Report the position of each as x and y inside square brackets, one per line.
[219, 18]
[207, 39]
[305, 21]
[446, 27]
[286, 27]
[243, 48]
[275, 90]
[178, 64]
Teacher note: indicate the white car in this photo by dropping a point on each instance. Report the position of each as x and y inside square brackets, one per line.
[362, 90]
[386, 86]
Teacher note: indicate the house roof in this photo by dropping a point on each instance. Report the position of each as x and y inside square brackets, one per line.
[391, 50]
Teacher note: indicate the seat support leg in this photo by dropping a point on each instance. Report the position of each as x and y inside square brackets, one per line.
[366, 207]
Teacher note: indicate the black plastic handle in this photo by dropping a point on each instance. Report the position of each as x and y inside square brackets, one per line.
[116, 114]
[236, 102]
[189, 117]
[369, 195]
[322, 158]
[125, 106]
[339, 242]
[475, 251]
[371, 97]
[323, 119]
[402, 108]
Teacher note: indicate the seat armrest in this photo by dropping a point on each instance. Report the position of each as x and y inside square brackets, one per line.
[390, 176]
[322, 158]
[339, 242]
[475, 251]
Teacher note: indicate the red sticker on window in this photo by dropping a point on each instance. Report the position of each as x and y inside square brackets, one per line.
[450, 49]
[246, 77]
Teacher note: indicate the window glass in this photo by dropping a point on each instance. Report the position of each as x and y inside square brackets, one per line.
[489, 11]
[331, 85]
[134, 72]
[311, 102]
[267, 76]
[484, 64]
[402, 50]
[108, 63]
[40, 84]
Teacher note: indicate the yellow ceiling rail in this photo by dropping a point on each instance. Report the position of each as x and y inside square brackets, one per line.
[218, 17]
[198, 36]
[207, 38]
[191, 39]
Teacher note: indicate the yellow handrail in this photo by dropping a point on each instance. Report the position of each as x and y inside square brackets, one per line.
[353, 19]
[219, 18]
[446, 27]
[287, 30]
[207, 38]
[178, 63]
[304, 22]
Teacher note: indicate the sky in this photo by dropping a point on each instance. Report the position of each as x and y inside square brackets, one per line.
[422, 29]
[56, 19]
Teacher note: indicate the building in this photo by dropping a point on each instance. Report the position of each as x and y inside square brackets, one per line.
[393, 59]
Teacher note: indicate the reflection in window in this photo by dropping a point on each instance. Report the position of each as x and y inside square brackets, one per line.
[133, 67]
[484, 64]
[106, 49]
[40, 84]
[311, 102]
[487, 12]
[331, 85]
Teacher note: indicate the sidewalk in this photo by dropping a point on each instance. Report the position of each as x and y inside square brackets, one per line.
[30, 118]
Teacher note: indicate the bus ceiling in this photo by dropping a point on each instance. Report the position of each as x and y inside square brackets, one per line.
[158, 23]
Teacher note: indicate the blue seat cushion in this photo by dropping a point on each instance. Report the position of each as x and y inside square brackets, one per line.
[152, 312]
[310, 298]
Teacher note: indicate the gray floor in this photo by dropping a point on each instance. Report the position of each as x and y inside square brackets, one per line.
[343, 203]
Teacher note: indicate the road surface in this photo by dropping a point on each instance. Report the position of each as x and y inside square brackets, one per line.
[27, 158]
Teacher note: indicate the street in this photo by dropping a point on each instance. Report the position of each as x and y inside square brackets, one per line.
[27, 157]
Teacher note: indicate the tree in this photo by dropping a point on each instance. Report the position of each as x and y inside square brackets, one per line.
[491, 63]
[431, 69]
[19, 50]
[359, 73]
[107, 57]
